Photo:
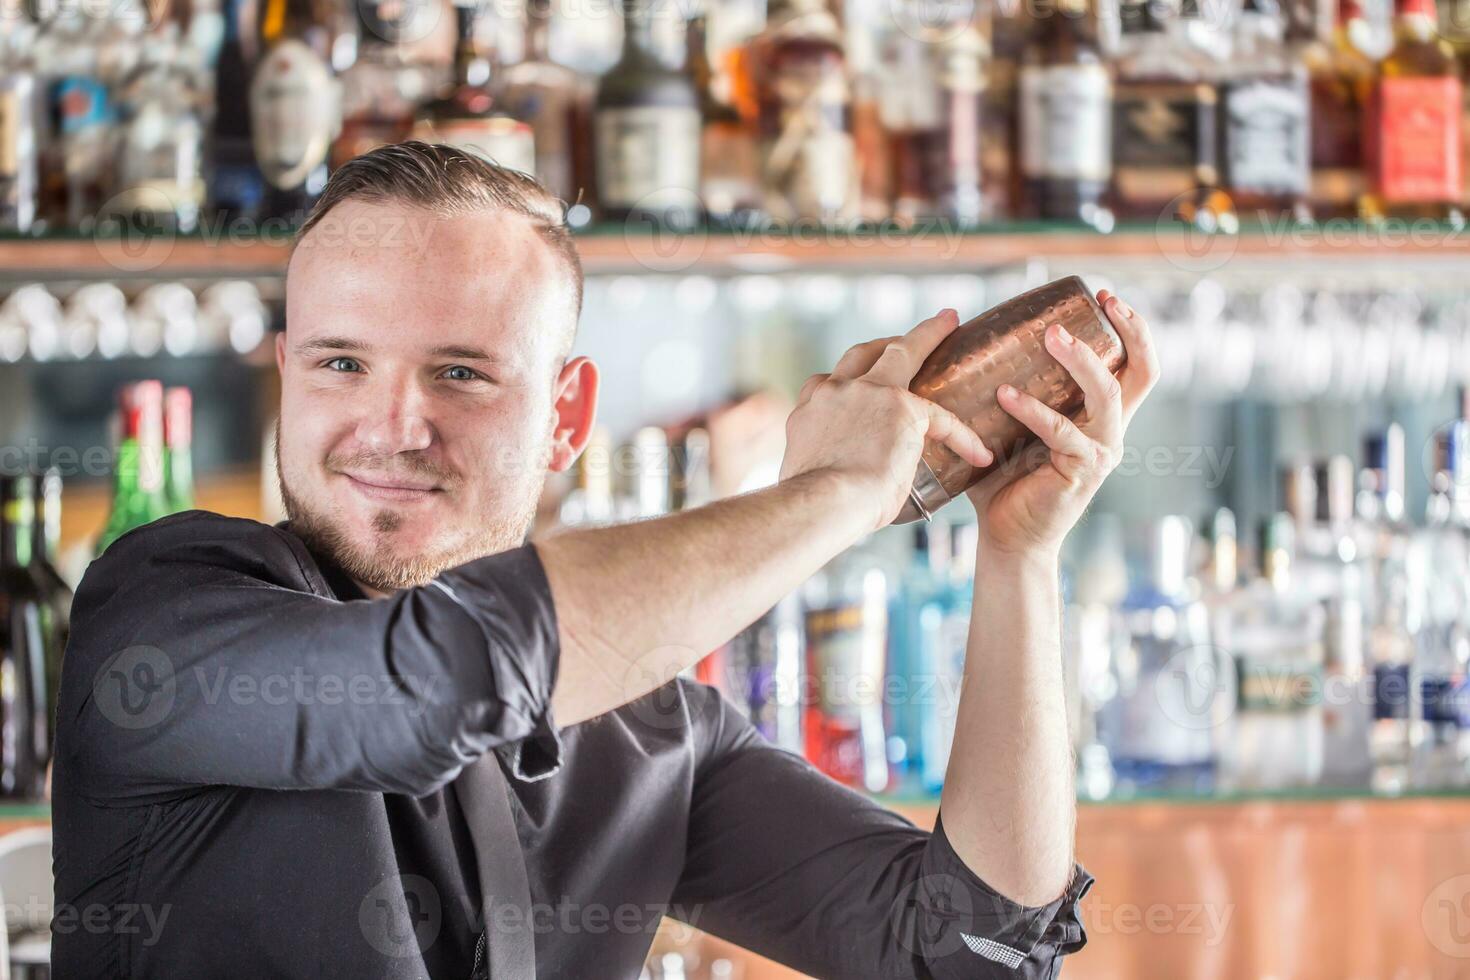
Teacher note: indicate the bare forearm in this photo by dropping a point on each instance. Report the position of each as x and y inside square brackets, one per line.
[1009, 801]
[636, 603]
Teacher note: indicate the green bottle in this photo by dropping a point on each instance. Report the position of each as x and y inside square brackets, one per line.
[137, 490]
[178, 459]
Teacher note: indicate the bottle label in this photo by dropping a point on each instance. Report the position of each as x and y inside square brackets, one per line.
[845, 656]
[1066, 122]
[9, 134]
[293, 106]
[507, 141]
[1391, 692]
[1418, 139]
[1444, 700]
[647, 157]
[81, 104]
[1266, 136]
[1165, 139]
[1278, 685]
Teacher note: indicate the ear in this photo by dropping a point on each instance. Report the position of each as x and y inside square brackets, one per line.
[574, 410]
[281, 352]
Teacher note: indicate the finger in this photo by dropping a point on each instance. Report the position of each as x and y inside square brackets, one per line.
[860, 359]
[1101, 392]
[946, 428]
[805, 395]
[901, 359]
[1141, 372]
[1057, 432]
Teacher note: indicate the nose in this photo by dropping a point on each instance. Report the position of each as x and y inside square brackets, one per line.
[398, 434]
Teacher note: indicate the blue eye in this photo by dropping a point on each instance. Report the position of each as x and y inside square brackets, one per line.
[343, 364]
[460, 373]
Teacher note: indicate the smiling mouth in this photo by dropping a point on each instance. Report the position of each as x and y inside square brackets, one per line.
[387, 488]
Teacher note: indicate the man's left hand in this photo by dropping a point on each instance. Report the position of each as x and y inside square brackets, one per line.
[1031, 511]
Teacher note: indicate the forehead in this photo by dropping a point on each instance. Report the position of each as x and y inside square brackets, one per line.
[403, 276]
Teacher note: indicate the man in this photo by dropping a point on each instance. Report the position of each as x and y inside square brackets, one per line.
[389, 739]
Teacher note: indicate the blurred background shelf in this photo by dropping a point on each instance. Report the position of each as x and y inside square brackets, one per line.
[616, 249]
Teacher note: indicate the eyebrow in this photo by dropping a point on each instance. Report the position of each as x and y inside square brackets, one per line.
[457, 351]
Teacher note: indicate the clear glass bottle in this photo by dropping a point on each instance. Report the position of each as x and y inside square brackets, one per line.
[160, 168]
[1276, 642]
[935, 133]
[809, 163]
[1162, 727]
[1414, 142]
[1383, 536]
[1065, 125]
[846, 626]
[295, 106]
[19, 131]
[646, 128]
[1164, 128]
[469, 114]
[1265, 118]
[557, 102]
[382, 89]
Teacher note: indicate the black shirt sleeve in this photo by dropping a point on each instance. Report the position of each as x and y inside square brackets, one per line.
[210, 651]
[786, 862]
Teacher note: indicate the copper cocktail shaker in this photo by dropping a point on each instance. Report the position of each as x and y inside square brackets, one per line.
[1003, 345]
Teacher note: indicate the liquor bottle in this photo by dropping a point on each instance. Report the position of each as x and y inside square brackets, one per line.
[1164, 128]
[19, 134]
[27, 644]
[693, 473]
[729, 159]
[83, 134]
[647, 490]
[178, 457]
[557, 102]
[846, 644]
[870, 130]
[1414, 136]
[160, 171]
[1276, 642]
[1438, 565]
[236, 185]
[469, 114]
[914, 618]
[1331, 559]
[1341, 78]
[1160, 727]
[1011, 31]
[1391, 632]
[590, 501]
[936, 130]
[381, 91]
[57, 594]
[646, 132]
[809, 165]
[1265, 118]
[766, 663]
[1066, 121]
[137, 491]
[947, 640]
[295, 106]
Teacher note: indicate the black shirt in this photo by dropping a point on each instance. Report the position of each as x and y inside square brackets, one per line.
[251, 776]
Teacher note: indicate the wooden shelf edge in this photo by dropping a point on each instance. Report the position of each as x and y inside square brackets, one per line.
[221, 253]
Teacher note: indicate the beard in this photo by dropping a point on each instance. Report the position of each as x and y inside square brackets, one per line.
[381, 565]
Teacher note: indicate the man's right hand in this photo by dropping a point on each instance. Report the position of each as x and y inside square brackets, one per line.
[862, 424]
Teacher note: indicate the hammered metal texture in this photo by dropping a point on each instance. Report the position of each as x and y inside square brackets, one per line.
[1007, 344]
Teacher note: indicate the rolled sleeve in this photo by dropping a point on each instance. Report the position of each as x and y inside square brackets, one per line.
[526, 675]
[963, 929]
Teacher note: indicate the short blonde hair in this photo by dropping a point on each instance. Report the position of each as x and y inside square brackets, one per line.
[450, 181]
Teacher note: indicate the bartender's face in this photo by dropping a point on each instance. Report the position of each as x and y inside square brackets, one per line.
[424, 396]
